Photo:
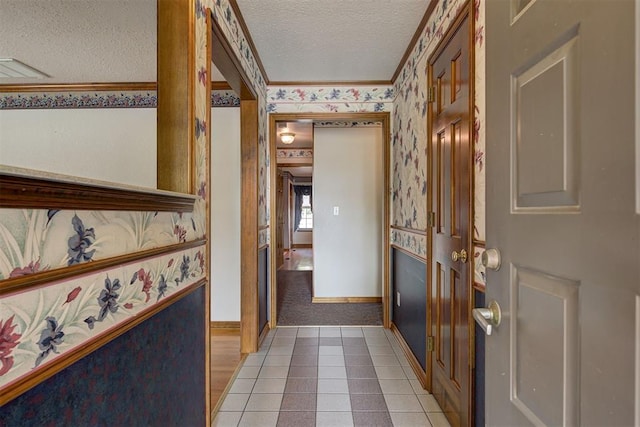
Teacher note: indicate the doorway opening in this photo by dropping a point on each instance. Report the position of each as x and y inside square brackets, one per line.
[308, 211]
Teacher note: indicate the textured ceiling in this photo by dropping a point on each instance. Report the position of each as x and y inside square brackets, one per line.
[84, 41]
[81, 41]
[331, 40]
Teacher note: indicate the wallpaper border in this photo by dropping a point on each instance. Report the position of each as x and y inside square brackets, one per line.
[50, 322]
[412, 241]
[98, 99]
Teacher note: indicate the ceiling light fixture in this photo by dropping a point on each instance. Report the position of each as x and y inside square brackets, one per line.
[287, 137]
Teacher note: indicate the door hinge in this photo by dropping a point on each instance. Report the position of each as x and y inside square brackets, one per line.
[431, 219]
[430, 344]
[431, 96]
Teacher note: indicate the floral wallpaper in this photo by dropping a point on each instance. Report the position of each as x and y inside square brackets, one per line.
[40, 324]
[339, 124]
[480, 272]
[59, 317]
[35, 240]
[411, 242]
[127, 383]
[479, 131]
[289, 99]
[292, 153]
[102, 99]
[224, 98]
[409, 141]
[224, 16]
[409, 135]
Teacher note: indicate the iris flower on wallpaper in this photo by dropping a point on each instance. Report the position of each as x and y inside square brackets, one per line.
[50, 338]
[80, 242]
[107, 300]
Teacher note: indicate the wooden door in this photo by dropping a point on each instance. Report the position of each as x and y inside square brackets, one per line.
[450, 77]
[280, 212]
[561, 209]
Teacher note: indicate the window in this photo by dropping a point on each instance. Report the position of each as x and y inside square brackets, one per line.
[306, 216]
[303, 207]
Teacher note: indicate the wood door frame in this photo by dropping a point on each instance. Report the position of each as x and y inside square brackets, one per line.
[468, 12]
[289, 202]
[221, 53]
[385, 119]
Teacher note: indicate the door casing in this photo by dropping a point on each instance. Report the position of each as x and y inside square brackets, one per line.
[385, 120]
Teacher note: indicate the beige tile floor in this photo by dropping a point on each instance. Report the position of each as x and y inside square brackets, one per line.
[328, 376]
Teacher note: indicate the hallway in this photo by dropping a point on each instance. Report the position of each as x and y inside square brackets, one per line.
[298, 259]
[328, 376]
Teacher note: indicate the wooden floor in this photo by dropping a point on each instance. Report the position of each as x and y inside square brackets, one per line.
[299, 259]
[225, 358]
[225, 343]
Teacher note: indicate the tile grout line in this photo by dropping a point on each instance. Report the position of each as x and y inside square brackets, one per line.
[387, 363]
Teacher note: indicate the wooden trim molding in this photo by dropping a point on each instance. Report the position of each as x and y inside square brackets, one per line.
[409, 230]
[23, 283]
[29, 381]
[225, 324]
[414, 40]
[247, 36]
[292, 164]
[80, 87]
[220, 328]
[332, 83]
[411, 254]
[249, 225]
[219, 85]
[411, 358]
[379, 117]
[176, 97]
[28, 192]
[229, 65]
[264, 333]
[94, 87]
[346, 300]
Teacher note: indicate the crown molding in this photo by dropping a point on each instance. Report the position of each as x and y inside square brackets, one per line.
[79, 87]
[220, 86]
[247, 34]
[332, 83]
[414, 40]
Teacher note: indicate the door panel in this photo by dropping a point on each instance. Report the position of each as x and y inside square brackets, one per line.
[449, 73]
[560, 208]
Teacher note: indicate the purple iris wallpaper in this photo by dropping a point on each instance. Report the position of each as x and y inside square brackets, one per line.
[142, 378]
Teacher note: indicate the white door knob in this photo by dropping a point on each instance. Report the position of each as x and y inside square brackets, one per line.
[491, 259]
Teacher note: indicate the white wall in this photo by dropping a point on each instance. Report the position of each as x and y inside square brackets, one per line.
[110, 144]
[303, 237]
[225, 214]
[347, 248]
